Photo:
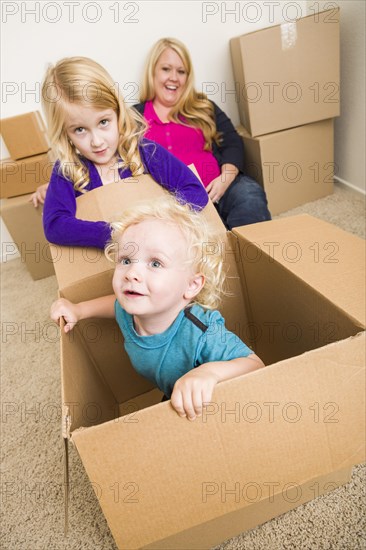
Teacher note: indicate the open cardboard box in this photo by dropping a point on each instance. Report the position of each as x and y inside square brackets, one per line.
[270, 440]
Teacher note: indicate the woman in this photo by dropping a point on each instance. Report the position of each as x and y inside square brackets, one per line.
[198, 132]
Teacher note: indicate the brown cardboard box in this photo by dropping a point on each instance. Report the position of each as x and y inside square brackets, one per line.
[24, 223]
[269, 440]
[288, 75]
[19, 177]
[294, 166]
[25, 135]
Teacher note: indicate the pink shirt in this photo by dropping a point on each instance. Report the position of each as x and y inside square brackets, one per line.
[184, 142]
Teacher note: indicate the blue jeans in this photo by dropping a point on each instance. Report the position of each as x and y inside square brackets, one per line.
[243, 203]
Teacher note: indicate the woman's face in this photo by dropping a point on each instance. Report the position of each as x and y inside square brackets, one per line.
[170, 78]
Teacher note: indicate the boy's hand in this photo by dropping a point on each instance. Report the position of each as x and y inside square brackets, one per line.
[191, 391]
[67, 310]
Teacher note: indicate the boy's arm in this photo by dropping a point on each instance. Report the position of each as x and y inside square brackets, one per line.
[224, 370]
[72, 313]
[195, 388]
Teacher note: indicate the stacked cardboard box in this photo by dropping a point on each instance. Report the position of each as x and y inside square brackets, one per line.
[28, 167]
[287, 79]
[270, 440]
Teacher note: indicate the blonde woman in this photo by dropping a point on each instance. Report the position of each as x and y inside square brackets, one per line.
[98, 140]
[173, 337]
[198, 132]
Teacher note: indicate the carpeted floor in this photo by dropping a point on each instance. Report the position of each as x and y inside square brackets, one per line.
[32, 474]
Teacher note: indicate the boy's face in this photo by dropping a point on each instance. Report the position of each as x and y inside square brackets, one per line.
[152, 280]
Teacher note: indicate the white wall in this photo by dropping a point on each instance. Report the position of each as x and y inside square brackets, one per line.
[350, 128]
[120, 38]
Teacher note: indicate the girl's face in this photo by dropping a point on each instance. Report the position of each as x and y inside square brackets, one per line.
[152, 280]
[93, 132]
[170, 78]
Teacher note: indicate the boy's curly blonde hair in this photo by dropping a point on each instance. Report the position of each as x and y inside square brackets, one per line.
[200, 240]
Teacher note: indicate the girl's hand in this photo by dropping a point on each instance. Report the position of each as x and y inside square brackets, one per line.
[39, 195]
[192, 390]
[67, 310]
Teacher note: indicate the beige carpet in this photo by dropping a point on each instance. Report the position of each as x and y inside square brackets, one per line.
[32, 475]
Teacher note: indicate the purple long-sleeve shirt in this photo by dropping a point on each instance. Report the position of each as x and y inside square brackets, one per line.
[59, 221]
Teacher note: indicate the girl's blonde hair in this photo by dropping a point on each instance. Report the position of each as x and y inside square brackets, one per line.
[82, 81]
[201, 242]
[193, 106]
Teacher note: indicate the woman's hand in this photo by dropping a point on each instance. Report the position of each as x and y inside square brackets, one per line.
[216, 189]
[39, 195]
[218, 186]
[192, 390]
[69, 311]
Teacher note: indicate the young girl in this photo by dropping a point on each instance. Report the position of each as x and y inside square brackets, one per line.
[165, 292]
[98, 140]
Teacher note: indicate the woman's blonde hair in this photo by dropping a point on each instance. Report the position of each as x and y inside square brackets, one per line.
[201, 242]
[193, 106]
[82, 81]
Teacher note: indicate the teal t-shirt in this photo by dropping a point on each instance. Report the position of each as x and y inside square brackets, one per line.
[163, 358]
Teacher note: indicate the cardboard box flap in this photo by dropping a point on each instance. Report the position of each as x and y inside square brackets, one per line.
[104, 377]
[325, 257]
[73, 264]
[311, 407]
[86, 396]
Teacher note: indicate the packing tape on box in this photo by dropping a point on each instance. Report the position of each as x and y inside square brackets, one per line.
[288, 35]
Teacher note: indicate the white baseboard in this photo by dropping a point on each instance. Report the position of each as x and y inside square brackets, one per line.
[350, 185]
